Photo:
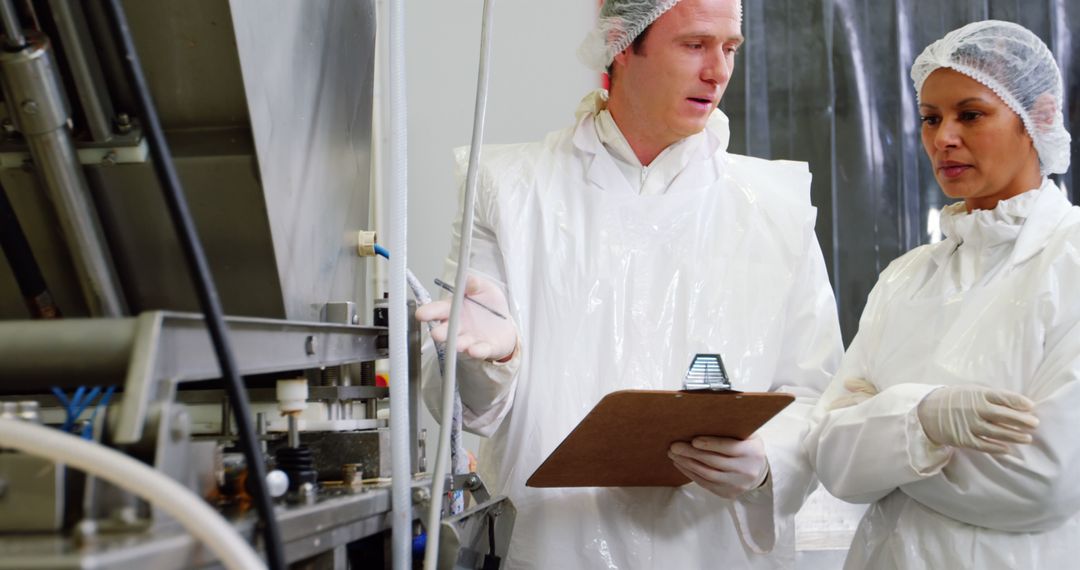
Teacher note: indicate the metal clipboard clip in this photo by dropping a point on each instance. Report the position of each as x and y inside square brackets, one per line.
[707, 372]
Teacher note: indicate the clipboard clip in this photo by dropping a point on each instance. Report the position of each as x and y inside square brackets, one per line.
[707, 372]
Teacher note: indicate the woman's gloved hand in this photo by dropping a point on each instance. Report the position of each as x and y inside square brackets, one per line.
[724, 466]
[858, 391]
[481, 334]
[977, 417]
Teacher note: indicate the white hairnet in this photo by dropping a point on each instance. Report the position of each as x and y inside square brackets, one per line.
[619, 23]
[1019, 68]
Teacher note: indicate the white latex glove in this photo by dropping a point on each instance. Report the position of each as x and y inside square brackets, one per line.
[481, 334]
[725, 466]
[858, 391]
[977, 417]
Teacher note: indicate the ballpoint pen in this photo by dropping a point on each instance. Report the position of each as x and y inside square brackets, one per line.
[450, 288]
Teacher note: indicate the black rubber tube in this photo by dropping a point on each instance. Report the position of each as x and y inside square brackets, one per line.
[23, 265]
[204, 286]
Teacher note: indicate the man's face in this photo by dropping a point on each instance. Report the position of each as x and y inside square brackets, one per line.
[675, 81]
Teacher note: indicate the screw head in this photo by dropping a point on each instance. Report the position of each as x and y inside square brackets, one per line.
[30, 107]
[123, 123]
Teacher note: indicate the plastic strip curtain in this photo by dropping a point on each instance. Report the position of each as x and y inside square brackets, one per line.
[826, 81]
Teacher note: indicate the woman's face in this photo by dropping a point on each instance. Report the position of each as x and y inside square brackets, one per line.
[976, 143]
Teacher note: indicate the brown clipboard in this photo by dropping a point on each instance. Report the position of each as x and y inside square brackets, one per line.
[624, 440]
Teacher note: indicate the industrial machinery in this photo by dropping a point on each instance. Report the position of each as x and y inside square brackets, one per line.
[239, 363]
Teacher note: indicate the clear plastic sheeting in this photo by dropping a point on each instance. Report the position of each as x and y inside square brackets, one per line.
[826, 81]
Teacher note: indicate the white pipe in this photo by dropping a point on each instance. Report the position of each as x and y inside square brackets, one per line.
[400, 446]
[431, 552]
[137, 477]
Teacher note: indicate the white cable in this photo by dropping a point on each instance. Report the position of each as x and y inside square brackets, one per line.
[397, 230]
[438, 477]
[137, 477]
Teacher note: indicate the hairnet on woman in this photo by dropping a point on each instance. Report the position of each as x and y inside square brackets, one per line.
[956, 409]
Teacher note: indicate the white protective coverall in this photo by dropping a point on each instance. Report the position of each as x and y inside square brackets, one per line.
[995, 304]
[612, 290]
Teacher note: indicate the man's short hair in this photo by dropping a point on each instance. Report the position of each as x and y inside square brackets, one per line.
[637, 46]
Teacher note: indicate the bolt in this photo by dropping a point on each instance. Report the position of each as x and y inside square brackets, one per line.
[356, 319]
[85, 532]
[109, 159]
[310, 344]
[352, 473]
[308, 493]
[421, 494]
[180, 426]
[30, 107]
[123, 123]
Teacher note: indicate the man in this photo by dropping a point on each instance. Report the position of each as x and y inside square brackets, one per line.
[621, 247]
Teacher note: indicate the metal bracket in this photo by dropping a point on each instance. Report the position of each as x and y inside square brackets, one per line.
[469, 482]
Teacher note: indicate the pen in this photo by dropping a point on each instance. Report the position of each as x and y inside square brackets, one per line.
[450, 288]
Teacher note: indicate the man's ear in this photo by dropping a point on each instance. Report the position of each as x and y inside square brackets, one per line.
[620, 58]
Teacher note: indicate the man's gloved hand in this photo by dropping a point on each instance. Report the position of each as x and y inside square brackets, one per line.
[725, 466]
[481, 334]
[858, 391]
[977, 417]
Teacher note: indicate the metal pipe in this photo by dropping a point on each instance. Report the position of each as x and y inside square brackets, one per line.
[85, 68]
[9, 18]
[294, 431]
[36, 102]
[450, 389]
[400, 445]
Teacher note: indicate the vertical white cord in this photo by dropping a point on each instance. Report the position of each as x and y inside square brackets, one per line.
[442, 456]
[397, 228]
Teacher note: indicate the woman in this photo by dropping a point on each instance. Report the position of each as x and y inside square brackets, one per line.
[956, 410]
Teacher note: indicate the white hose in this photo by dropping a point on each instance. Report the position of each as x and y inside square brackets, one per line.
[137, 477]
[397, 228]
[438, 478]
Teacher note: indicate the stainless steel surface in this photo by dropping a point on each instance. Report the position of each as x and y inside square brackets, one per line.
[308, 74]
[13, 34]
[269, 394]
[189, 50]
[308, 71]
[827, 81]
[31, 86]
[294, 431]
[465, 536]
[34, 497]
[335, 520]
[97, 351]
[85, 68]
